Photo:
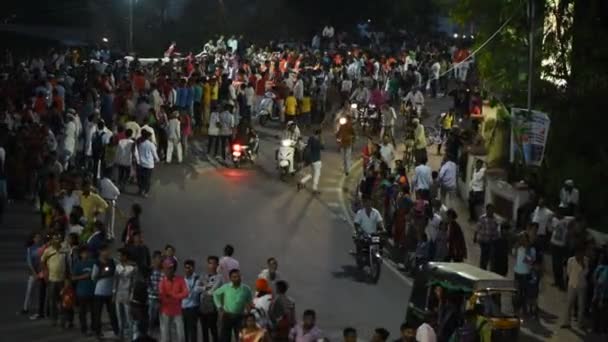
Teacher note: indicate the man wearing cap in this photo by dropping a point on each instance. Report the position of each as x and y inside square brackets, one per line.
[568, 198]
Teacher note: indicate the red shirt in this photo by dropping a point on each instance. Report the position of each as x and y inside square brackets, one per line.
[171, 293]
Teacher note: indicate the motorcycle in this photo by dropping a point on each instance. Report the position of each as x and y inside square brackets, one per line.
[242, 153]
[286, 160]
[268, 110]
[369, 254]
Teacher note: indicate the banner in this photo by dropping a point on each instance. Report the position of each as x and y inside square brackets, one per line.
[529, 132]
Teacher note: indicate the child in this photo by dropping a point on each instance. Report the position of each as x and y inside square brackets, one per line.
[533, 288]
[68, 299]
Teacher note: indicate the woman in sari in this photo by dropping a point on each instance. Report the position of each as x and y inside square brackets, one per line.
[251, 332]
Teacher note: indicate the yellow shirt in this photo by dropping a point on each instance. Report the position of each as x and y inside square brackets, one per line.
[215, 92]
[291, 104]
[419, 138]
[306, 104]
[91, 204]
[448, 121]
[55, 260]
[206, 94]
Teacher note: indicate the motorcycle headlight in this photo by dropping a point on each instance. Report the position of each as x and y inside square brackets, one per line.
[286, 142]
[353, 106]
[342, 121]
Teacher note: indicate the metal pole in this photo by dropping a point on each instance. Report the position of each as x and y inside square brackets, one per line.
[130, 43]
[532, 16]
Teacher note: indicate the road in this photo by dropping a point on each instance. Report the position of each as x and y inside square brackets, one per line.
[200, 206]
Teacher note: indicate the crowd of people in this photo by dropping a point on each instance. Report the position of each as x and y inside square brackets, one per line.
[76, 132]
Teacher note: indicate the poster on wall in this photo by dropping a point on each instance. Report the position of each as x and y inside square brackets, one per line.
[529, 133]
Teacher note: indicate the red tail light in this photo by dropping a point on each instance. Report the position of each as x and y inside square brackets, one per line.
[236, 147]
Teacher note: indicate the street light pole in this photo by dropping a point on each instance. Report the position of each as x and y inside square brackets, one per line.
[130, 40]
[532, 16]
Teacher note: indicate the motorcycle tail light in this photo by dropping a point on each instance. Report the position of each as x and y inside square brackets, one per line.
[236, 153]
[236, 147]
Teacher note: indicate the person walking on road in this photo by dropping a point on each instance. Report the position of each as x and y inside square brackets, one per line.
[109, 192]
[345, 138]
[448, 182]
[456, 245]
[54, 258]
[103, 274]
[486, 234]
[314, 146]
[476, 189]
[559, 249]
[147, 158]
[232, 301]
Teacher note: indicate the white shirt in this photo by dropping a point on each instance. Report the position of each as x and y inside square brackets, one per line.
[388, 154]
[346, 86]
[107, 189]
[477, 181]
[577, 273]
[425, 333]
[435, 68]
[389, 117]
[124, 152]
[68, 202]
[560, 231]
[328, 32]
[76, 229]
[173, 130]
[298, 89]
[69, 141]
[152, 133]
[422, 177]
[566, 198]
[134, 127]
[249, 96]
[447, 174]
[368, 224]
[542, 216]
[433, 227]
[147, 154]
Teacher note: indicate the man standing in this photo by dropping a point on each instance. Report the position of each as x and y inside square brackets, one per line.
[190, 304]
[103, 274]
[147, 158]
[389, 117]
[282, 312]
[208, 311]
[422, 179]
[315, 145]
[577, 268]
[174, 137]
[271, 274]
[232, 300]
[92, 204]
[156, 275]
[85, 288]
[345, 137]
[559, 250]
[109, 192]
[125, 155]
[448, 182]
[227, 263]
[476, 189]
[568, 198]
[306, 331]
[54, 258]
[419, 141]
[542, 216]
[486, 234]
[172, 290]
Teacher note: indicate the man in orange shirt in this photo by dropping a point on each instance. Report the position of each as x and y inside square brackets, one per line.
[171, 290]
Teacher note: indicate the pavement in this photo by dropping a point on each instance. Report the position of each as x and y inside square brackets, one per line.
[201, 205]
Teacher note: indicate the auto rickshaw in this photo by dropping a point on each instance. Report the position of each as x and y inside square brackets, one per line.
[490, 295]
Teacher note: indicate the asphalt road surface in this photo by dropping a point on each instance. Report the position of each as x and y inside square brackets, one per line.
[200, 206]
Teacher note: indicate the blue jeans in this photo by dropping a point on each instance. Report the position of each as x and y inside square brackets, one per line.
[153, 312]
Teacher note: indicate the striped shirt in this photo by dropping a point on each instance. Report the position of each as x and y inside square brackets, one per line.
[155, 278]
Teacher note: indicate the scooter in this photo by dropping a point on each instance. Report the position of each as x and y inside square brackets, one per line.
[267, 111]
[286, 160]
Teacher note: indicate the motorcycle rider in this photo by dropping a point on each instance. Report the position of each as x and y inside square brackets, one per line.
[360, 95]
[292, 132]
[367, 221]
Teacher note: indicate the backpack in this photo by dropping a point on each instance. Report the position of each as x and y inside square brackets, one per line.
[468, 333]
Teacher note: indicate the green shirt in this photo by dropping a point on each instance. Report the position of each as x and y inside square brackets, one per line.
[232, 299]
